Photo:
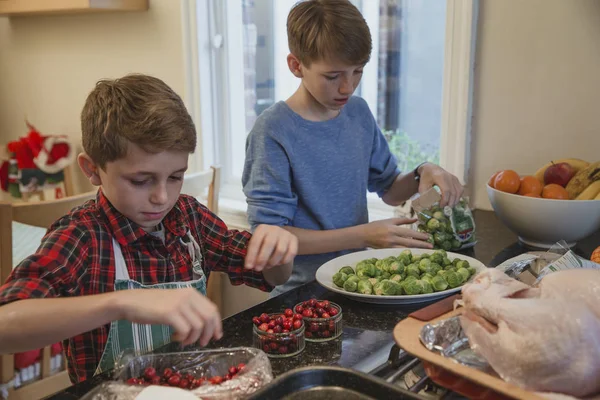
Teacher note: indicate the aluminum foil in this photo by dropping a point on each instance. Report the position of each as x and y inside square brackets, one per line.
[448, 339]
[207, 363]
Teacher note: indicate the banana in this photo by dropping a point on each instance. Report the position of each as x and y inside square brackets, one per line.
[576, 163]
[583, 179]
[590, 192]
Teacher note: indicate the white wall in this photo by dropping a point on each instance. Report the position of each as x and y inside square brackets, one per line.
[537, 86]
[48, 64]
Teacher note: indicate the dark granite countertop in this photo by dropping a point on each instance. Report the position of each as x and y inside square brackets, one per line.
[367, 327]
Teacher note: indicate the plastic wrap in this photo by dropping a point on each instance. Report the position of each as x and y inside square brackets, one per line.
[200, 364]
[452, 228]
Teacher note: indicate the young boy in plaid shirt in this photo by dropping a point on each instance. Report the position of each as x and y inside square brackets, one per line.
[139, 233]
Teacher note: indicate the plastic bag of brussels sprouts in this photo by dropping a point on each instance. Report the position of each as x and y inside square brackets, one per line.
[452, 228]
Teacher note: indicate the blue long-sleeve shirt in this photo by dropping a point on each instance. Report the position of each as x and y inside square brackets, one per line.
[314, 175]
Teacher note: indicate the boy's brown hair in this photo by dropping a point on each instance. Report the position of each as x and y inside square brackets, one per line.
[324, 29]
[136, 109]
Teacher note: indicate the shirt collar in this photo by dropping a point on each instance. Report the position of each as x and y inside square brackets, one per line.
[126, 231]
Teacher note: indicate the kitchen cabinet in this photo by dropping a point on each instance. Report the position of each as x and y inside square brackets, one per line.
[35, 7]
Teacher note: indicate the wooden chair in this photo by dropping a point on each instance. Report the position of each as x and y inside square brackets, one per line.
[40, 214]
[196, 184]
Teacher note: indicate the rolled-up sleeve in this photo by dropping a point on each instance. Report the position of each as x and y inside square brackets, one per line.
[267, 181]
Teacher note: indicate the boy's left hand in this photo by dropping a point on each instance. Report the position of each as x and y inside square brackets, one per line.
[270, 246]
[449, 184]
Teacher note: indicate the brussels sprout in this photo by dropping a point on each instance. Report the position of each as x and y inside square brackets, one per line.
[433, 225]
[406, 252]
[380, 263]
[409, 278]
[462, 264]
[424, 264]
[430, 240]
[422, 228]
[437, 257]
[449, 229]
[450, 269]
[446, 261]
[368, 270]
[442, 252]
[386, 275]
[413, 287]
[353, 278]
[447, 245]
[425, 215]
[396, 278]
[464, 273]
[364, 287]
[472, 270]
[440, 237]
[434, 268]
[427, 288]
[350, 285]
[455, 261]
[453, 279]
[439, 283]
[404, 259]
[456, 244]
[413, 270]
[415, 260]
[373, 281]
[377, 272]
[387, 288]
[424, 255]
[443, 226]
[439, 215]
[377, 288]
[396, 267]
[347, 270]
[339, 278]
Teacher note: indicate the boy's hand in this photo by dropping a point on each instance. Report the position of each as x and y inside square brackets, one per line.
[388, 233]
[192, 316]
[270, 246]
[450, 186]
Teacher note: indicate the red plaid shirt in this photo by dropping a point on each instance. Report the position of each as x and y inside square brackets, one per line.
[76, 258]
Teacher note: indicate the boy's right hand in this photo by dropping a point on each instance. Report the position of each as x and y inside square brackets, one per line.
[389, 233]
[192, 316]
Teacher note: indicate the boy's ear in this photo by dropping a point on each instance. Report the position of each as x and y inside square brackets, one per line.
[294, 65]
[89, 168]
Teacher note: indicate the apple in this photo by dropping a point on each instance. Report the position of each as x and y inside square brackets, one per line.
[559, 174]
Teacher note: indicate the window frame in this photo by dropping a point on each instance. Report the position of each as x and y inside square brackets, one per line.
[209, 95]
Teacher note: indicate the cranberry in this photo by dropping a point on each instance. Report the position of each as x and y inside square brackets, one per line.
[132, 381]
[308, 334]
[241, 366]
[332, 326]
[325, 315]
[312, 302]
[198, 382]
[277, 329]
[298, 316]
[167, 373]
[270, 331]
[184, 383]
[288, 312]
[155, 380]
[216, 380]
[319, 304]
[228, 377]
[233, 370]
[283, 349]
[174, 380]
[263, 327]
[256, 321]
[320, 312]
[333, 311]
[149, 373]
[287, 324]
[272, 324]
[307, 313]
[266, 348]
[299, 309]
[285, 331]
[264, 317]
[273, 346]
[297, 324]
[325, 334]
[313, 327]
[189, 377]
[326, 304]
[279, 320]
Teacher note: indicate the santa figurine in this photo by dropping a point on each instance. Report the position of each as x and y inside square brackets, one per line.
[37, 163]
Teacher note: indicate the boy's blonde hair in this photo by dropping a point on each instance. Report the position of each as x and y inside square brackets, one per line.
[137, 109]
[324, 29]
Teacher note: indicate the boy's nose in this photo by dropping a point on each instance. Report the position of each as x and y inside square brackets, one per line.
[159, 195]
[346, 87]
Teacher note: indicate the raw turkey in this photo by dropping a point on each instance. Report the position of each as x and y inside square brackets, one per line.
[544, 339]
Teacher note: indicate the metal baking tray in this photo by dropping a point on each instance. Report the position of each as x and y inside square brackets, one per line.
[331, 383]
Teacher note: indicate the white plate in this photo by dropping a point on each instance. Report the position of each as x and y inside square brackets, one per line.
[326, 271]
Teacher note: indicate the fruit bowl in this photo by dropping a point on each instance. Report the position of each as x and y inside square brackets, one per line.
[542, 222]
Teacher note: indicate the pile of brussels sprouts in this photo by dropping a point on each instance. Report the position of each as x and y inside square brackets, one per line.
[435, 222]
[406, 274]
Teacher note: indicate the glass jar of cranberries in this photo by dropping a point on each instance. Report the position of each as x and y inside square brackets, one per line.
[279, 335]
[322, 319]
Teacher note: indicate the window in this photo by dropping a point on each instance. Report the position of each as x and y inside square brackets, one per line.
[417, 83]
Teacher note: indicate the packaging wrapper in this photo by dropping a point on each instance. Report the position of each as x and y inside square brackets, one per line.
[452, 228]
[201, 364]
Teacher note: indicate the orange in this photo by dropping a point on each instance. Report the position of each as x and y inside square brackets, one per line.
[554, 191]
[530, 184]
[532, 195]
[507, 181]
[492, 180]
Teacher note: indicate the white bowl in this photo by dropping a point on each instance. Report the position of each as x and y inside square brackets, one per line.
[543, 222]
